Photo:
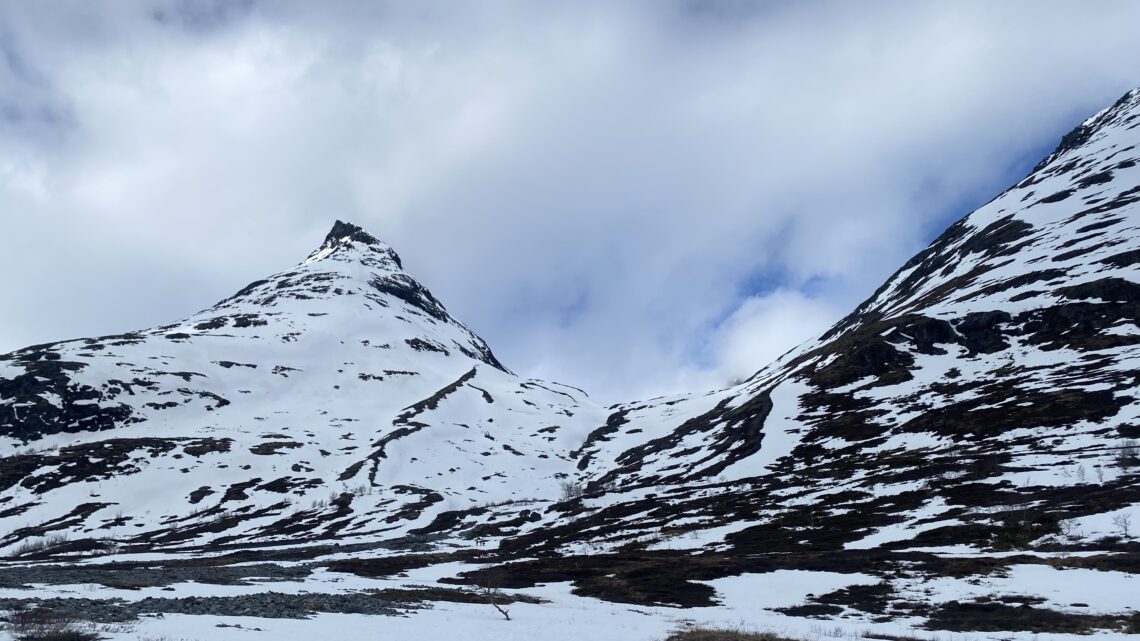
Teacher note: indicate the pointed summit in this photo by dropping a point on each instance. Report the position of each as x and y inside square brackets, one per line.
[342, 231]
[344, 235]
[353, 275]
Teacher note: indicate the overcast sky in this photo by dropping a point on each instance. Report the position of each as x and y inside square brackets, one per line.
[634, 197]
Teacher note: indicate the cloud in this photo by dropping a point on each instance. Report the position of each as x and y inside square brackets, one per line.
[763, 328]
[617, 195]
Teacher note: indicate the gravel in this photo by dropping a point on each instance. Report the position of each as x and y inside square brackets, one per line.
[271, 605]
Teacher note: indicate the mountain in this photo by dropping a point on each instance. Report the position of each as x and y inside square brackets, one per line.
[997, 369]
[959, 453]
[975, 420]
[337, 398]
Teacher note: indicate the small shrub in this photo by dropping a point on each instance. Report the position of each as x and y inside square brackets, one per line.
[41, 544]
[1128, 453]
[1123, 524]
[571, 490]
[364, 489]
[722, 634]
[39, 624]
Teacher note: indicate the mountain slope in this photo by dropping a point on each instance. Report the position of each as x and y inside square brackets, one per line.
[996, 370]
[957, 454]
[337, 398]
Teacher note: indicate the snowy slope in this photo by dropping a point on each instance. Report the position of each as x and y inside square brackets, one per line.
[338, 398]
[957, 455]
[997, 369]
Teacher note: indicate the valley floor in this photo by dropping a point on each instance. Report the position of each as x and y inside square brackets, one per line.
[1008, 597]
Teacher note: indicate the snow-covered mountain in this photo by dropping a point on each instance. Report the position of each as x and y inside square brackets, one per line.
[986, 395]
[338, 398]
[959, 453]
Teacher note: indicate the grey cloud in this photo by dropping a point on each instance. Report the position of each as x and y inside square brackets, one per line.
[596, 188]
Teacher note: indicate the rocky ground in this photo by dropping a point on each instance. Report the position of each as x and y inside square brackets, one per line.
[919, 591]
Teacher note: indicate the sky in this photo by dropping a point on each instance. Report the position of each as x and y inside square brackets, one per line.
[637, 198]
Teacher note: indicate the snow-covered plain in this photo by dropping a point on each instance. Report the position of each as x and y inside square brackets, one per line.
[746, 602]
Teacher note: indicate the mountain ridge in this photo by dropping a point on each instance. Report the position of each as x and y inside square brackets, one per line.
[975, 415]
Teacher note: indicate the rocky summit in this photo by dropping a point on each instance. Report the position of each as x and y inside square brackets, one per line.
[961, 453]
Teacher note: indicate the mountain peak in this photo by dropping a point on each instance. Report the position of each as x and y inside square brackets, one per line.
[352, 269]
[342, 231]
[347, 235]
[1124, 111]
